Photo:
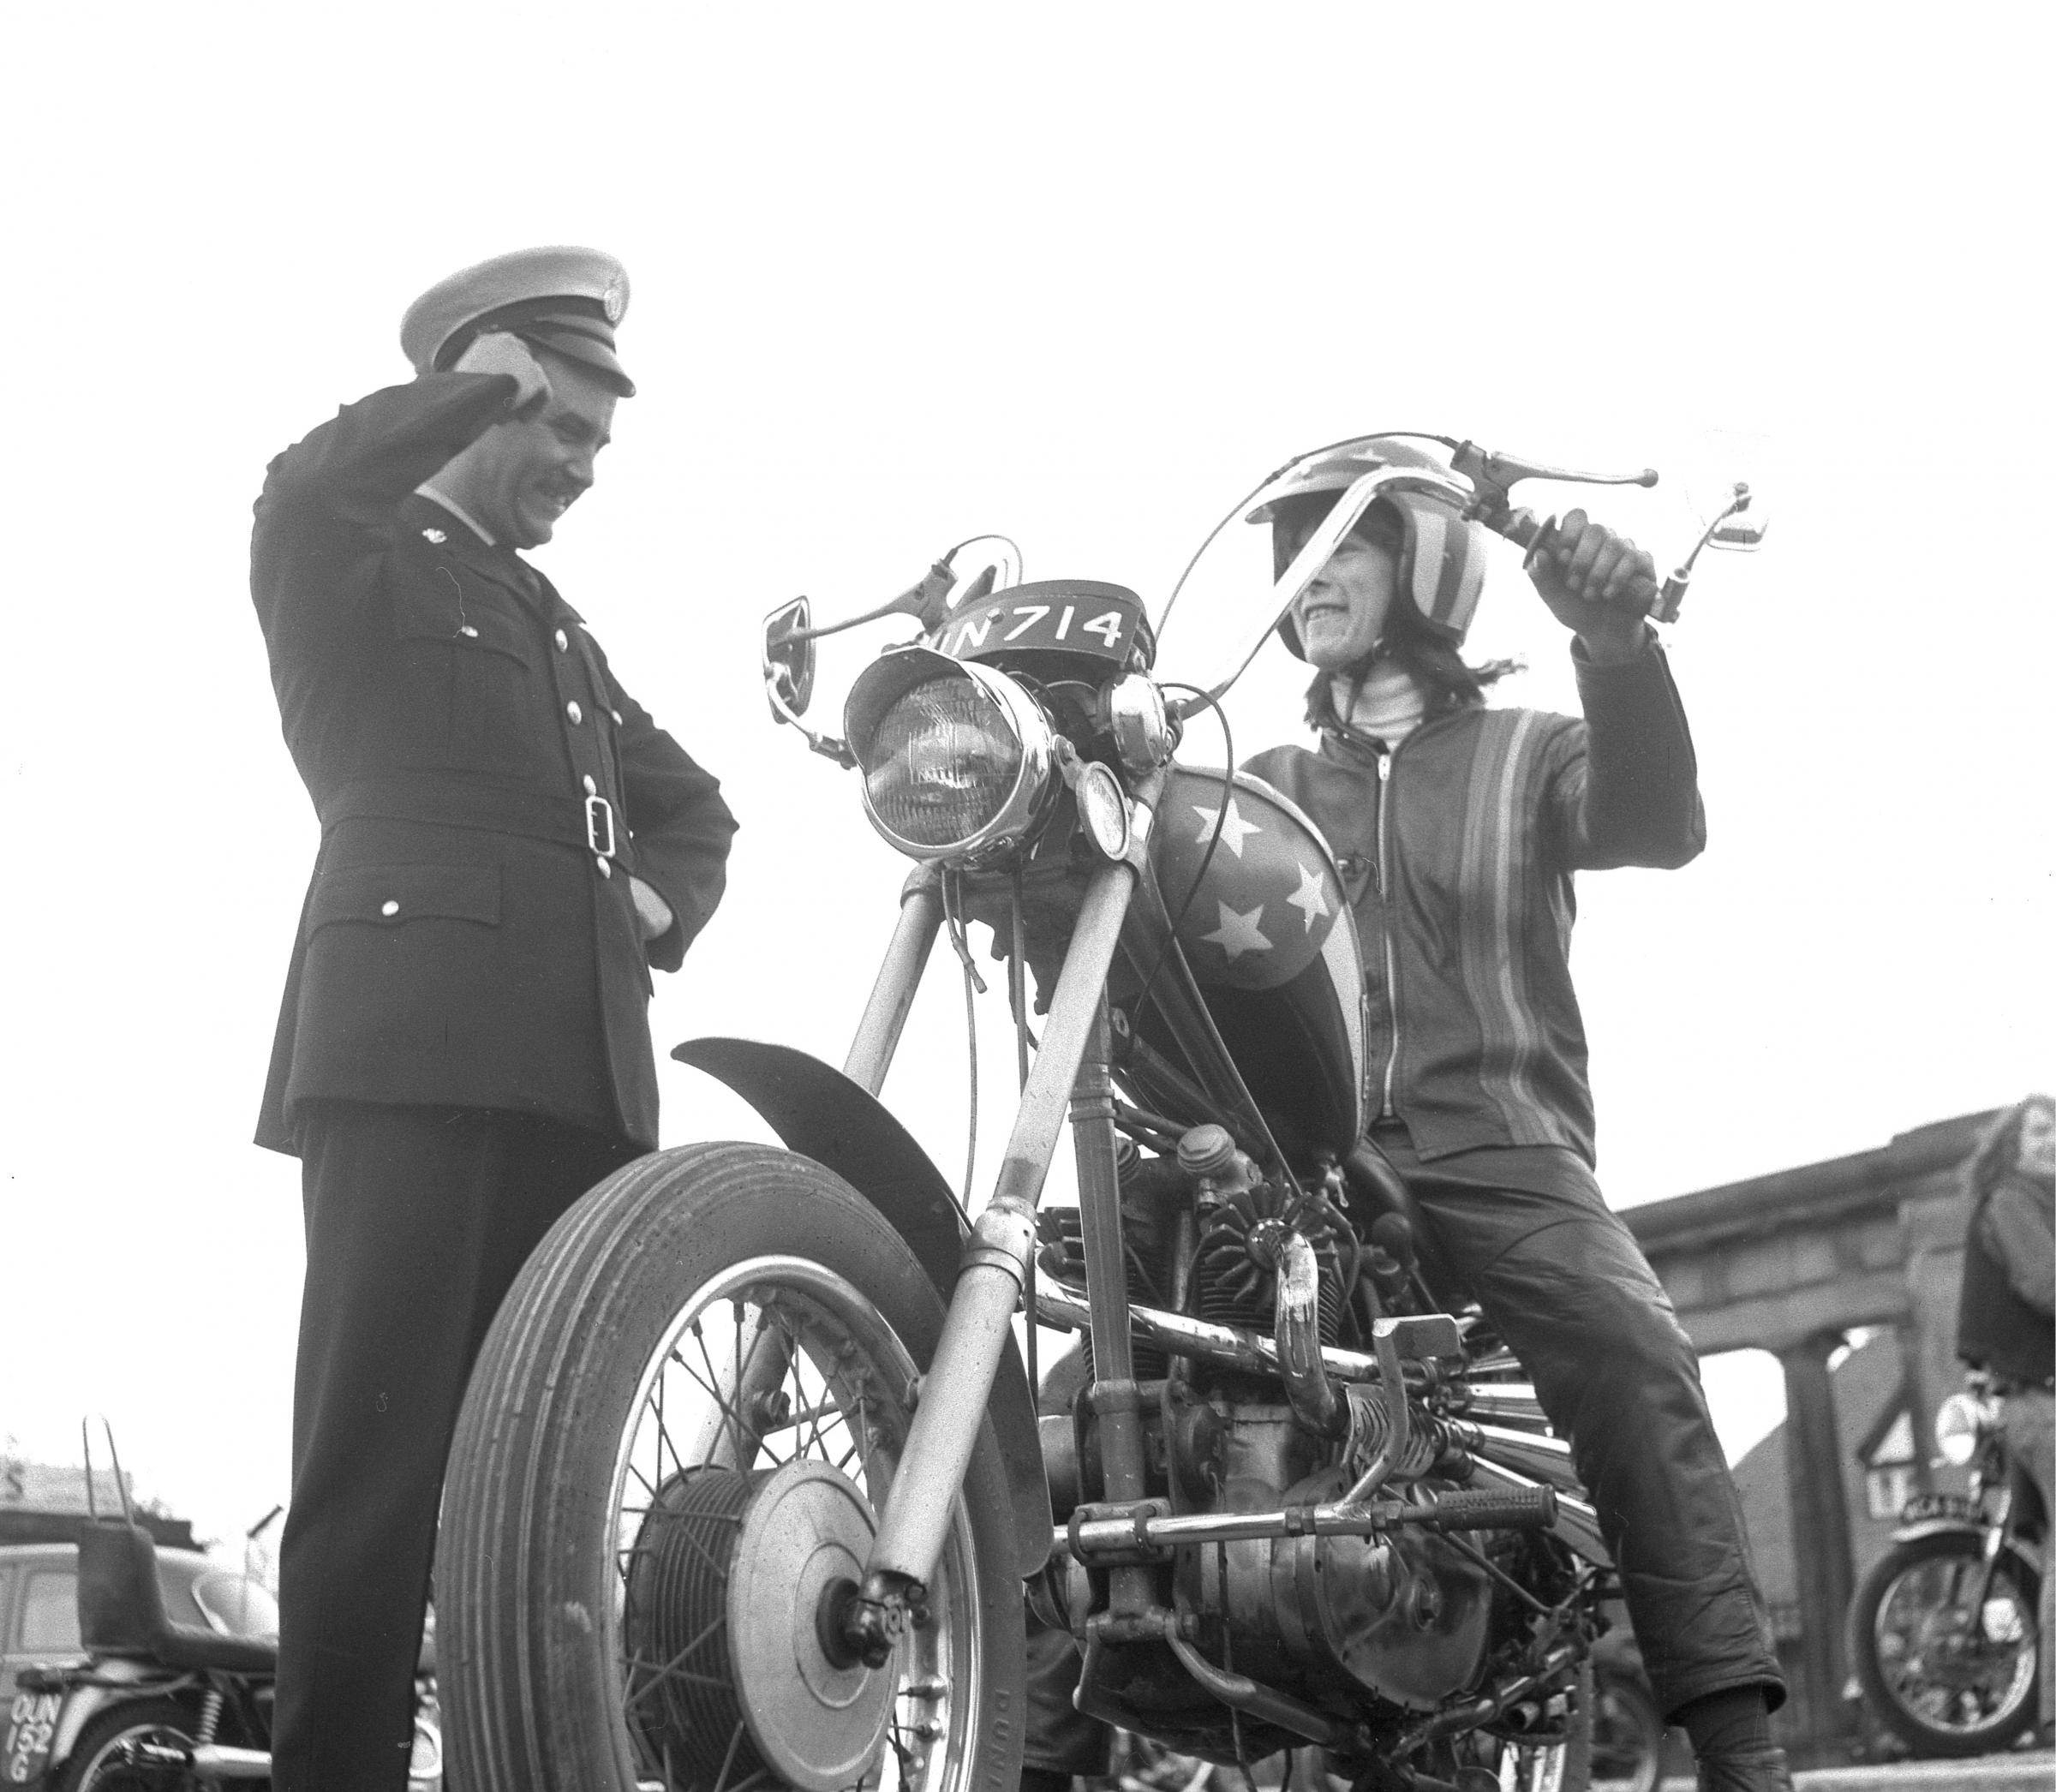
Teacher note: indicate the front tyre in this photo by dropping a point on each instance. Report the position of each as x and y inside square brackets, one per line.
[675, 1448]
[1948, 1675]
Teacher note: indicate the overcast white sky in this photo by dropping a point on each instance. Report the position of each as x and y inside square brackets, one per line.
[1080, 273]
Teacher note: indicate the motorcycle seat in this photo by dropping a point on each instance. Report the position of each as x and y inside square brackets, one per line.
[122, 1608]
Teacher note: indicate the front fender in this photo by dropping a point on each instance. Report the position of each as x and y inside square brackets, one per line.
[1941, 1525]
[822, 1115]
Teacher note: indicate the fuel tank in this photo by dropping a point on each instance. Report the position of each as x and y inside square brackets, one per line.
[1261, 919]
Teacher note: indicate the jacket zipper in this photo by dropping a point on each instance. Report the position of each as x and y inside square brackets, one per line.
[1384, 905]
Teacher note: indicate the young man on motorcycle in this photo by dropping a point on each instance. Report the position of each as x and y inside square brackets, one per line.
[1458, 828]
[2008, 1302]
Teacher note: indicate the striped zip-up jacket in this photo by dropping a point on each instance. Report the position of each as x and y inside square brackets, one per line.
[1456, 850]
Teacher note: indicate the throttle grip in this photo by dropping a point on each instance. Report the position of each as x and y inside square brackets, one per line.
[1533, 534]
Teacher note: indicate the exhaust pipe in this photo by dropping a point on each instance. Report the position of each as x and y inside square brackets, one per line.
[1296, 1327]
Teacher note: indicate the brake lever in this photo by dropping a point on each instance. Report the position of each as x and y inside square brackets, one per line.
[1493, 475]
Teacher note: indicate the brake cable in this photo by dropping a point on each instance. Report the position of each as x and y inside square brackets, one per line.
[974, 986]
[1206, 859]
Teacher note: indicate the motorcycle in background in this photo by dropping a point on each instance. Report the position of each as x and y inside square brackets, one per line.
[1942, 1629]
[162, 1705]
[749, 1479]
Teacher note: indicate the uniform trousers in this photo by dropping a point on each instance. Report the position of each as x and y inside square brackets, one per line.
[1525, 1231]
[418, 1220]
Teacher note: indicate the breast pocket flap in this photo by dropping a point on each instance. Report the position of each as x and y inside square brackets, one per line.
[392, 895]
[464, 610]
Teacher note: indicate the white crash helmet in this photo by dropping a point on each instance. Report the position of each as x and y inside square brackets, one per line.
[1442, 557]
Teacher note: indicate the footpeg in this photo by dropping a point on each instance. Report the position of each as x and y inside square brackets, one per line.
[1532, 1508]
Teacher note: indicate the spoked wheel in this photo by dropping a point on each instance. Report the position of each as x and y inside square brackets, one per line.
[1563, 1763]
[667, 1477]
[1626, 1736]
[98, 1761]
[1948, 1673]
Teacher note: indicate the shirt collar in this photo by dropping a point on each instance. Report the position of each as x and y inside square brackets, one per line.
[428, 489]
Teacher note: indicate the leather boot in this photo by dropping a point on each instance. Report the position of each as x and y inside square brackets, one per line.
[1761, 1768]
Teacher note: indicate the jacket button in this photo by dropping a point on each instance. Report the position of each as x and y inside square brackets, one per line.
[388, 907]
[591, 789]
[616, 713]
[576, 714]
[563, 642]
[605, 868]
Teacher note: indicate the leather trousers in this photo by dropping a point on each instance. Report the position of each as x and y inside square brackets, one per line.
[1525, 1231]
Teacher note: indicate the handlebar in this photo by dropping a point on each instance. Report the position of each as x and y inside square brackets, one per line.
[1493, 476]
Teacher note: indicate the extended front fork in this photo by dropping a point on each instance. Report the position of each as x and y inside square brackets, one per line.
[1070, 1074]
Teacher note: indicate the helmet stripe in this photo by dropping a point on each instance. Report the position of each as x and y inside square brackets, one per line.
[1430, 532]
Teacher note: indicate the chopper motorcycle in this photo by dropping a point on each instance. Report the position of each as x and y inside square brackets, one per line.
[1942, 1629]
[749, 1481]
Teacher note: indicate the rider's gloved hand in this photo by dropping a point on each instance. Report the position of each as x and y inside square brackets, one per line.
[1597, 582]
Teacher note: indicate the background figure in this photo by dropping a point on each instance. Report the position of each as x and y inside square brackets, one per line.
[509, 845]
[2006, 1313]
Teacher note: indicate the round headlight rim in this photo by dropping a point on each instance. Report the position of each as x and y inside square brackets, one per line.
[1960, 1423]
[897, 675]
[1093, 776]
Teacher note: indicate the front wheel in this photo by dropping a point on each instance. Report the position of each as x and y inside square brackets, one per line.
[671, 1460]
[1947, 1673]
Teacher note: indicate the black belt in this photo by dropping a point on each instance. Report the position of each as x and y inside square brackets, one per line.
[447, 799]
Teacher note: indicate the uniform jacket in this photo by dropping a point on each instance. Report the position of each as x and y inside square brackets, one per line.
[1456, 852]
[466, 939]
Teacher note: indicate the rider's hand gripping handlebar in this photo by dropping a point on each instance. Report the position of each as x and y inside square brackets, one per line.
[1493, 476]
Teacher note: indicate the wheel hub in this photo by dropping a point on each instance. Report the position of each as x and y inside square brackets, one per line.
[724, 1622]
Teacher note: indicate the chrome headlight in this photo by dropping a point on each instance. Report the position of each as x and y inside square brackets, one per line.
[1959, 1423]
[957, 758]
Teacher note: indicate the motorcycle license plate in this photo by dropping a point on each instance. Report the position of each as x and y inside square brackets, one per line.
[1067, 616]
[1924, 1506]
[32, 1727]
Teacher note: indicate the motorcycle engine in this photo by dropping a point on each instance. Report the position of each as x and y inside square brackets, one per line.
[1410, 1617]
[1407, 1616]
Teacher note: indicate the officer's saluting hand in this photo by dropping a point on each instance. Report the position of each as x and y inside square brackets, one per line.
[509, 846]
[499, 351]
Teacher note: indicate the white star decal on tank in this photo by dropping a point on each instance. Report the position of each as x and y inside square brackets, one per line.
[1310, 899]
[1232, 829]
[1238, 934]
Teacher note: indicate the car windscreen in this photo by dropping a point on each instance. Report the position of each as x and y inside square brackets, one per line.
[237, 1605]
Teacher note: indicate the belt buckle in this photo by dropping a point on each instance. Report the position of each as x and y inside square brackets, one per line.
[600, 821]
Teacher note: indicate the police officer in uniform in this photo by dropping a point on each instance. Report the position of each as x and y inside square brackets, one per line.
[508, 845]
